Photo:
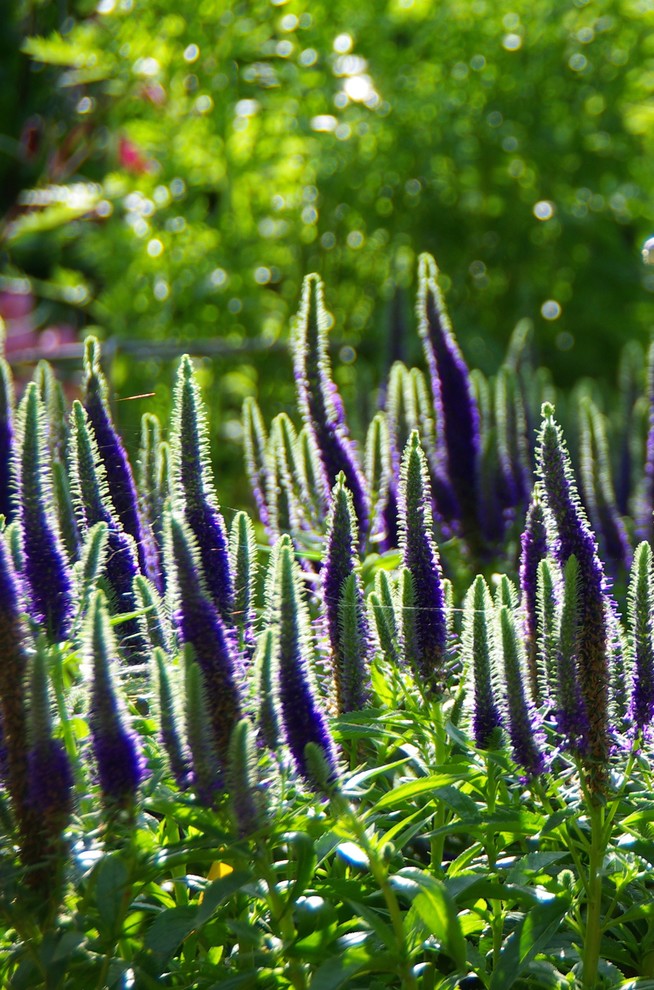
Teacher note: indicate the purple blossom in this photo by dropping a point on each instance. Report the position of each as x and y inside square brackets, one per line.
[456, 412]
[420, 556]
[320, 403]
[13, 670]
[46, 567]
[200, 626]
[478, 649]
[120, 479]
[533, 543]
[520, 717]
[573, 536]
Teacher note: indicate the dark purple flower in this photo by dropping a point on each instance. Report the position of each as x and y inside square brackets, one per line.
[533, 543]
[519, 715]
[573, 536]
[200, 626]
[420, 555]
[456, 412]
[303, 720]
[117, 752]
[120, 480]
[194, 490]
[571, 714]
[319, 400]
[13, 669]
[50, 785]
[46, 566]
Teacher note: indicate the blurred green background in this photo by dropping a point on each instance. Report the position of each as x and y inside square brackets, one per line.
[169, 172]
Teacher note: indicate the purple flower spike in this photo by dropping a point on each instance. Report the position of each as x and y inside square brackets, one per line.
[457, 415]
[6, 440]
[519, 715]
[120, 479]
[478, 648]
[571, 715]
[200, 626]
[340, 563]
[303, 720]
[641, 609]
[320, 403]
[12, 682]
[421, 557]
[46, 566]
[194, 491]
[574, 537]
[116, 748]
[533, 544]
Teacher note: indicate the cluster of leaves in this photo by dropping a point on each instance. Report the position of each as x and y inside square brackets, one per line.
[355, 766]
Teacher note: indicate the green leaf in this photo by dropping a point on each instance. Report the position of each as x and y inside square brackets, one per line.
[414, 788]
[110, 882]
[219, 891]
[337, 971]
[168, 931]
[303, 855]
[530, 937]
[434, 911]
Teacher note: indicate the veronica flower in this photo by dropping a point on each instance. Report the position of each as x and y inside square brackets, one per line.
[319, 400]
[200, 626]
[116, 747]
[420, 556]
[6, 440]
[194, 491]
[347, 623]
[641, 609]
[13, 671]
[478, 648]
[573, 536]
[266, 665]
[244, 785]
[457, 415]
[46, 567]
[243, 551]
[302, 718]
[255, 444]
[571, 714]
[533, 543]
[168, 720]
[519, 715]
[207, 768]
[120, 480]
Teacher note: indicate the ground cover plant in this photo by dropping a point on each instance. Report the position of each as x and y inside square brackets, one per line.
[393, 733]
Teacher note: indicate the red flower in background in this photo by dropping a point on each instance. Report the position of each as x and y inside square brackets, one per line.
[131, 158]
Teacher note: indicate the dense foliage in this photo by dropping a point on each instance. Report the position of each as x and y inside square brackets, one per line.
[340, 756]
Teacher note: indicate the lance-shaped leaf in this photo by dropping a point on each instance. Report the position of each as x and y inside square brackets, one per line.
[339, 565]
[319, 400]
[200, 626]
[255, 443]
[303, 720]
[7, 442]
[93, 505]
[166, 693]
[420, 556]
[597, 487]
[457, 415]
[120, 479]
[116, 747]
[194, 491]
[46, 567]
[244, 787]
[206, 765]
[245, 565]
[266, 666]
[478, 648]
[573, 536]
[533, 549]
[641, 610]
[13, 687]
[571, 715]
[518, 714]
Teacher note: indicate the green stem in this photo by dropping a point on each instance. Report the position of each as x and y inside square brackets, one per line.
[438, 841]
[281, 918]
[592, 941]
